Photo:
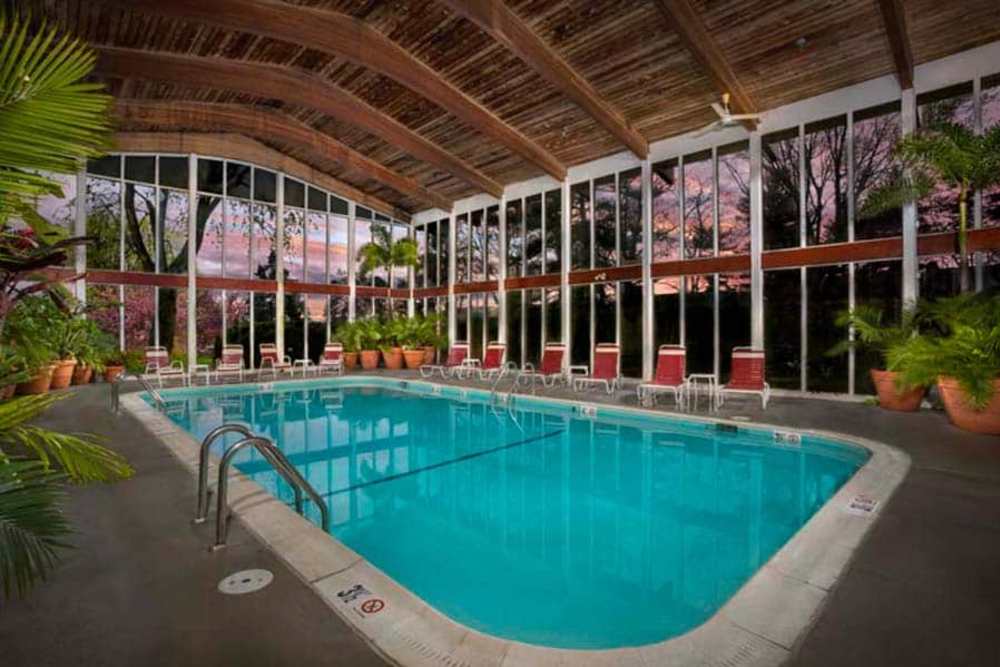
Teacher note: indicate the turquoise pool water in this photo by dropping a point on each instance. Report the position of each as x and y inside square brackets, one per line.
[551, 527]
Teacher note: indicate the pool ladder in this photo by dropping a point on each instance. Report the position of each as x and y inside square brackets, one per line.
[507, 400]
[271, 454]
[116, 391]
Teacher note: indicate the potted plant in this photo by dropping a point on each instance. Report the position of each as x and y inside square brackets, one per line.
[114, 365]
[871, 332]
[369, 337]
[960, 351]
[90, 353]
[393, 335]
[347, 335]
[412, 340]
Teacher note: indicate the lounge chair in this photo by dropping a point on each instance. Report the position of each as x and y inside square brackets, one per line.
[333, 359]
[230, 363]
[747, 376]
[605, 370]
[457, 357]
[670, 368]
[550, 370]
[493, 366]
[160, 368]
[273, 361]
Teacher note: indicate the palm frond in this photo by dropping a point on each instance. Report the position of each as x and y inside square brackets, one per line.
[31, 523]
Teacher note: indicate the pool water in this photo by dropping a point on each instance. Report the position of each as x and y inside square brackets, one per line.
[538, 525]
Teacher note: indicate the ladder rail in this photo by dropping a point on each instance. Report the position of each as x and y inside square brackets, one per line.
[274, 456]
[201, 511]
[116, 391]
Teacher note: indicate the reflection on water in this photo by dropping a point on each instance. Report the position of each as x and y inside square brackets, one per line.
[552, 530]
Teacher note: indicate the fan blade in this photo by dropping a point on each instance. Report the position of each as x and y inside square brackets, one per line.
[711, 127]
[745, 116]
[719, 109]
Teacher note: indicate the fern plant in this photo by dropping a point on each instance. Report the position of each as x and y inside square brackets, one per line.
[872, 332]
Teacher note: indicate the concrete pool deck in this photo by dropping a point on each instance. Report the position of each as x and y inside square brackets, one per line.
[875, 614]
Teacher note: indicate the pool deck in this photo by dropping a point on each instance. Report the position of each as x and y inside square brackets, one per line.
[140, 587]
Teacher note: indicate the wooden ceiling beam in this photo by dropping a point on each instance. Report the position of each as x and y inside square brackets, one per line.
[292, 86]
[507, 28]
[894, 18]
[702, 46]
[351, 39]
[264, 126]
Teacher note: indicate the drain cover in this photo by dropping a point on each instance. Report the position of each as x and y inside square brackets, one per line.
[246, 581]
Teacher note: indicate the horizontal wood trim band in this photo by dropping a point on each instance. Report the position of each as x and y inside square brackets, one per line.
[610, 274]
[533, 282]
[475, 288]
[430, 292]
[375, 292]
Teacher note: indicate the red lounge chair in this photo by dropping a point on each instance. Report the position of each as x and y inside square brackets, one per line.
[747, 376]
[231, 362]
[550, 370]
[671, 361]
[605, 369]
[456, 361]
[273, 361]
[333, 358]
[493, 365]
[160, 368]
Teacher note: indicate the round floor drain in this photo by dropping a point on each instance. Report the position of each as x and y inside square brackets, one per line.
[246, 581]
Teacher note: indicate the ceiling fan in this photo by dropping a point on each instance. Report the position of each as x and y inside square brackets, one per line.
[726, 117]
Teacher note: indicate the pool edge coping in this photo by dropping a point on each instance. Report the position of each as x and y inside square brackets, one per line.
[759, 625]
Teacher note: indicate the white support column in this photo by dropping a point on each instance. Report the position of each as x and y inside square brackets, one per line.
[192, 263]
[977, 202]
[411, 273]
[502, 272]
[756, 243]
[648, 343]
[911, 286]
[80, 229]
[279, 303]
[566, 311]
[451, 276]
[351, 263]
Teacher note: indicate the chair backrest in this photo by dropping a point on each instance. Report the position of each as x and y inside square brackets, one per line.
[332, 351]
[232, 355]
[748, 368]
[671, 363]
[157, 357]
[269, 351]
[605, 361]
[495, 353]
[458, 353]
[552, 358]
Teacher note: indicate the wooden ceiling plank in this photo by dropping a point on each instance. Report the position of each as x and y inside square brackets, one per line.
[894, 18]
[264, 125]
[507, 28]
[702, 46]
[350, 38]
[289, 85]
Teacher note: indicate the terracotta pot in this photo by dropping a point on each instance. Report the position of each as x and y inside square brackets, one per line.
[7, 392]
[83, 374]
[891, 398]
[111, 373]
[63, 373]
[414, 358]
[429, 354]
[963, 415]
[350, 360]
[369, 359]
[38, 384]
[393, 358]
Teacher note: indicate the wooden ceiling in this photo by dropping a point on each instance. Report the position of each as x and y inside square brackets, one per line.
[421, 102]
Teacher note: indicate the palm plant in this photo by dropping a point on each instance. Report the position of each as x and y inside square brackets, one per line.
[382, 253]
[872, 331]
[948, 154]
[50, 120]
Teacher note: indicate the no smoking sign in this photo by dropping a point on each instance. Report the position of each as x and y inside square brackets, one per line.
[361, 600]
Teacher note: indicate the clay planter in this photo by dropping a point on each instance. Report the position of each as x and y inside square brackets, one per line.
[963, 415]
[891, 398]
[111, 373]
[63, 373]
[7, 392]
[350, 360]
[83, 374]
[369, 359]
[414, 358]
[429, 354]
[38, 384]
[393, 358]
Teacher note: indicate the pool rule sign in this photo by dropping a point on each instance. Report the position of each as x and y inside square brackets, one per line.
[361, 600]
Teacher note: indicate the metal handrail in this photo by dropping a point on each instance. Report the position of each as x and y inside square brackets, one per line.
[116, 391]
[201, 512]
[274, 456]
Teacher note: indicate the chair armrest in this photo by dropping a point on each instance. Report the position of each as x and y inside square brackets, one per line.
[471, 363]
[579, 369]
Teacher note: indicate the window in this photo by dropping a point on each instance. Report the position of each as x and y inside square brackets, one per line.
[419, 272]
[666, 312]
[432, 255]
[780, 165]
[533, 327]
[209, 305]
[605, 236]
[400, 274]
[210, 250]
[699, 323]
[606, 313]
[336, 250]
[381, 233]
[104, 223]
[825, 148]
[699, 200]
[239, 180]
[462, 318]
[553, 231]
[493, 243]
[782, 331]
[264, 238]
[237, 238]
[533, 235]
[477, 324]
[631, 328]
[734, 317]
[210, 176]
[462, 249]
[140, 225]
[991, 118]
[140, 168]
[879, 284]
[315, 246]
[666, 212]
[265, 186]
[579, 226]
[444, 271]
[515, 239]
[477, 245]
[362, 236]
[734, 199]
[580, 298]
[630, 216]
[876, 133]
[514, 319]
[827, 295]
[938, 212]
[238, 323]
[294, 243]
[173, 231]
